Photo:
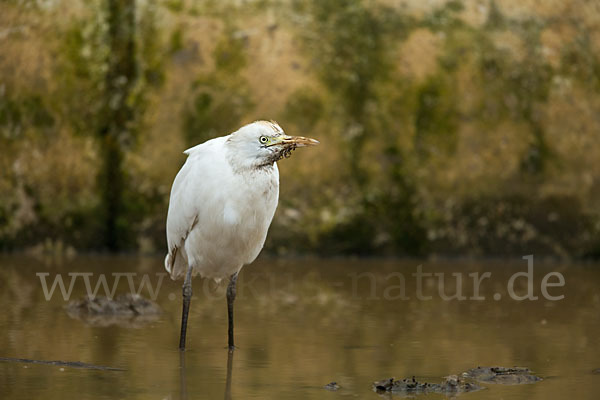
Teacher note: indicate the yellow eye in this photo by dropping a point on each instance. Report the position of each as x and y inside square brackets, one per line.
[264, 139]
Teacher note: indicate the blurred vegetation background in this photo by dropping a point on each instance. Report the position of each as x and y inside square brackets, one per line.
[447, 127]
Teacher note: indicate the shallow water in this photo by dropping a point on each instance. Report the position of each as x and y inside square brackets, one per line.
[301, 324]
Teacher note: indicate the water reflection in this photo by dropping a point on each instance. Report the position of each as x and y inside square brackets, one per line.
[183, 391]
[299, 325]
[229, 373]
[182, 377]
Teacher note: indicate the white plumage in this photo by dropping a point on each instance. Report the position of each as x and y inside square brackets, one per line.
[222, 202]
[218, 218]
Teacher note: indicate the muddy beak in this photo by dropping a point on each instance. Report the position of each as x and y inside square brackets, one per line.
[298, 141]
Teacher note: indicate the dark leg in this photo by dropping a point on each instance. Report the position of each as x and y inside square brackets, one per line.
[187, 298]
[230, 300]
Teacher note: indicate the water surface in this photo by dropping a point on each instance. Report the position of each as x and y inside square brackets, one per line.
[301, 324]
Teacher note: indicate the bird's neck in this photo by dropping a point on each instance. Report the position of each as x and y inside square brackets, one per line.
[242, 165]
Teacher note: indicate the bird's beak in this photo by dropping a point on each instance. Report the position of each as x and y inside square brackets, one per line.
[298, 141]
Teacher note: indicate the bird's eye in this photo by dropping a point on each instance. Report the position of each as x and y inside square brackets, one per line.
[263, 139]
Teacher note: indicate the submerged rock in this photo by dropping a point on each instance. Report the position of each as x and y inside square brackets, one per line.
[410, 386]
[502, 375]
[126, 310]
[332, 386]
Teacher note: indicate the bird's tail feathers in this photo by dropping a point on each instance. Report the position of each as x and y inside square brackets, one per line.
[176, 264]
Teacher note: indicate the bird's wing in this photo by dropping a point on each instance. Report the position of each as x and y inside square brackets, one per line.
[190, 188]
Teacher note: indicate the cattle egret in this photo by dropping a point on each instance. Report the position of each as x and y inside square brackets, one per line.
[222, 202]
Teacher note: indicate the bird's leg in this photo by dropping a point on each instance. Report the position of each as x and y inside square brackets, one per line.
[230, 300]
[187, 298]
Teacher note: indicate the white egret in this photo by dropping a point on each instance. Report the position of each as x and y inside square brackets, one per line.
[222, 202]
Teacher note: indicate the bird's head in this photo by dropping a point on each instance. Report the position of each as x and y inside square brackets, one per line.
[262, 143]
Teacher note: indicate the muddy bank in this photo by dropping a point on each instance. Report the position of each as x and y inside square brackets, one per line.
[128, 310]
[410, 386]
[333, 386]
[71, 364]
[502, 375]
[466, 382]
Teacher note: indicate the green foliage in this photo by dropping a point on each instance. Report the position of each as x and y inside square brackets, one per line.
[580, 60]
[175, 6]
[229, 54]
[513, 86]
[347, 37]
[150, 53]
[514, 224]
[436, 116]
[495, 19]
[19, 114]
[176, 41]
[116, 60]
[445, 18]
[348, 41]
[518, 87]
[222, 97]
[304, 108]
